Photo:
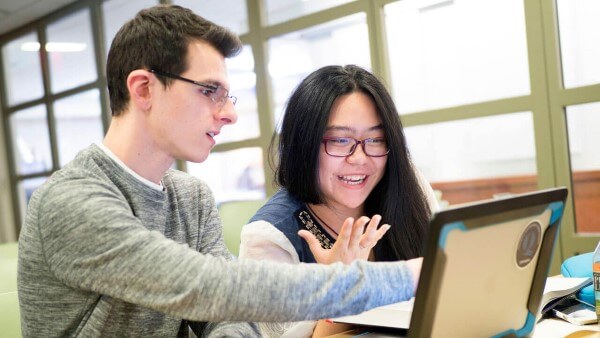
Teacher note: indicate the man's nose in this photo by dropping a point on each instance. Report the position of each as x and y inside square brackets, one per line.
[228, 114]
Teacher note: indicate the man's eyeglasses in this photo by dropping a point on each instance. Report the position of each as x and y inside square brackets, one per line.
[216, 94]
[345, 146]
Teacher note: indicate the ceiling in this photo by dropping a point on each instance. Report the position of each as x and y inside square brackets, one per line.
[16, 13]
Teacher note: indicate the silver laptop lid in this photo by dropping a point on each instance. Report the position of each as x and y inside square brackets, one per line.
[486, 265]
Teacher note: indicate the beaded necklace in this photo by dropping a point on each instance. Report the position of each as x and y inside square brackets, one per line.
[321, 221]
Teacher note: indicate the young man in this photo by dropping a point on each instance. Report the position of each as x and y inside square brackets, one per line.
[118, 244]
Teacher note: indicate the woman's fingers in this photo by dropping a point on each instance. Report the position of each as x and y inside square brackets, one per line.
[358, 230]
[381, 231]
[370, 237]
[355, 240]
[346, 232]
[373, 234]
[372, 227]
[313, 243]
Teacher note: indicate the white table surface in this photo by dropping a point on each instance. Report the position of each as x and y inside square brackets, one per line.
[547, 328]
[553, 327]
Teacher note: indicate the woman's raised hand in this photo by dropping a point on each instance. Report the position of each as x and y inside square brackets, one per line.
[353, 242]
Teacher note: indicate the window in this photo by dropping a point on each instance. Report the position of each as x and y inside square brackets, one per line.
[78, 123]
[295, 55]
[454, 52]
[31, 141]
[229, 13]
[583, 123]
[474, 159]
[117, 12]
[233, 175]
[243, 85]
[284, 10]
[22, 69]
[47, 128]
[70, 43]
[486, 97]
[579, 41]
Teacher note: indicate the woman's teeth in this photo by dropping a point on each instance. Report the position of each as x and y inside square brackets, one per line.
[352, 179]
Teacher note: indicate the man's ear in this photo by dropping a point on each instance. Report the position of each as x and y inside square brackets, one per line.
[139, 82]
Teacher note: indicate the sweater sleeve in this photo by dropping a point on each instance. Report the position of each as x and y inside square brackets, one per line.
[93, 241]
[212, 243]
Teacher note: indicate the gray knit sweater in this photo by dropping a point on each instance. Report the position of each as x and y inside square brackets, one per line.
[102, 254]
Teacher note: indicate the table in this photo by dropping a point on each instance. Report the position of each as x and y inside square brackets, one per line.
[547, 328]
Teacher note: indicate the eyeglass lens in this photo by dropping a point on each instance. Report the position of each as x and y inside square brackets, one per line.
[345, 146]
[221, 95]
[216, 94]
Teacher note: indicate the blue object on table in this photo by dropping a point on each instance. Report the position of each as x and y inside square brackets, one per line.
[580, 266]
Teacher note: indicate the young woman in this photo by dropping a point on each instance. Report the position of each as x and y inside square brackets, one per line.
[343, 164]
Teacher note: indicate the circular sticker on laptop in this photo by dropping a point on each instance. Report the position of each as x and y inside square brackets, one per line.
[529, 243]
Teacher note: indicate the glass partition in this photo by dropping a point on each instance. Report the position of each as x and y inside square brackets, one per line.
[583, 122]
[31, 140]
[233, 175]
[117, 12]
[579, 41]
[232, 14]
[70, 50]
[22, 69]
[447, 53]
[78, 123]
[474, 159]
[243, 85]
[295, 55]
[285, 10]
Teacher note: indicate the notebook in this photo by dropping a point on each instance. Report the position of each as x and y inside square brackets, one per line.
[484, 270]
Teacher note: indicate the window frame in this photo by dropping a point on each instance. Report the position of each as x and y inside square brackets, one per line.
[547, 100]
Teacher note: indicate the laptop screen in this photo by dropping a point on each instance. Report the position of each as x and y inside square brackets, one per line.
[487, 263]
[484, 270]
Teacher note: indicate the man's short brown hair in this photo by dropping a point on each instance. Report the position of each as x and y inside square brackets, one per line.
[158, 38]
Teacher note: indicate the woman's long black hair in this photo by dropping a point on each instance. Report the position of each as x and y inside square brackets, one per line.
[398, 197]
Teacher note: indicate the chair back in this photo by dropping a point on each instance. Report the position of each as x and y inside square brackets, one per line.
[10, 320]
[234, 215]
[8, 267]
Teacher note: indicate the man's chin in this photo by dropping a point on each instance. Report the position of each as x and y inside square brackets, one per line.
[196, 158]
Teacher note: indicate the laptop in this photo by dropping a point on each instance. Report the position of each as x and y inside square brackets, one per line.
[484, 270]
